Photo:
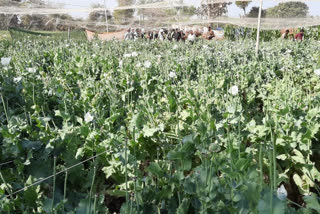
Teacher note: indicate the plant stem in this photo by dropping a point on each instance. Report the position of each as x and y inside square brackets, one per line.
[274, 163]
[126, 169]
[271, 178]
[65, 190]
[5, 109]
[239, 139]
[33, 95]
[296, 204]
[91, 189]
[54, 181]
[95, 204]
[6, 185]
[230, 147]
[260, 163]
[135, 168]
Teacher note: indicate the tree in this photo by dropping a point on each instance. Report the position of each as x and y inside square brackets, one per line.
[254, 13]
[37, 22]
[288, 10]
[212, 10]
[99, 16]
[56, 22]
[123, 16]
[243, 5]
[150, 12]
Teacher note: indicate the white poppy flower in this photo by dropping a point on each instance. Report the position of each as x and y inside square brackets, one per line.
[31, 70]
[88, 117]
[127, 55]
[172, 75]
[282, 193]
[317, 72]
[134, 54]
[5, 61]
[234, 90]
[138, 65]
[175, 47]
[17, 79]
[147, 64]
[50, 92]
[120, 63]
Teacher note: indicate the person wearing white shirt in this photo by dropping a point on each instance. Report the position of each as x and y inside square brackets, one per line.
[161, 35]
[191, 37]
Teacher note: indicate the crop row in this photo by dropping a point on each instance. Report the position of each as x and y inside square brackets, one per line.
[204, 128]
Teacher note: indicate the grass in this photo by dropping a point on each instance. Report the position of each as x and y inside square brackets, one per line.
[4, 35]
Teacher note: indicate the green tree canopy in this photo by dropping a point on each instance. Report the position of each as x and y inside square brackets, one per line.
[288, 10]
[99, 16]
[123, 16]
[243, 5]
[254, 13]
[213, 10]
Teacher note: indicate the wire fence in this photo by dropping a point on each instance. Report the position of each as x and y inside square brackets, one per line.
[5, 163]
[158, 20]
[53, 175]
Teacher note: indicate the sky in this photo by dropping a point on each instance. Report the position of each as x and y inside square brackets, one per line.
[233, 10]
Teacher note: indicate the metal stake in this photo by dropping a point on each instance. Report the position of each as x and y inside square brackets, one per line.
[105, 13]
[258, 30]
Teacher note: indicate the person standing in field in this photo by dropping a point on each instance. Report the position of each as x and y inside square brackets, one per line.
[161, 35]
[209, 35]
[191, 37]
[128, 35]
[299, 36]
[177, 35]
[285, 35]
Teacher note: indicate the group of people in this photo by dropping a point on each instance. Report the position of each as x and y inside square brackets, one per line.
[171, 35]
[287, 35]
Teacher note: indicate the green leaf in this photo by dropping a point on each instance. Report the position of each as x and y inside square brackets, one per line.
[187, 164]
[313, 113]
[175, 155]
[34, 145]
[236, 198]
[300, 183]
[187, 139]
[278, 206]
[282, 157]
[149, 132]
[62, 114]
[109, 171]
[312, 202]
[80, 153]
[155, 169]
[184, 115]
[83, 207]
[189, 187]
[136, 121]
[242, 163]
[184, 206]
[117, 193]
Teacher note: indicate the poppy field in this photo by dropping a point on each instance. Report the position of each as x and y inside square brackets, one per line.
[156, 127]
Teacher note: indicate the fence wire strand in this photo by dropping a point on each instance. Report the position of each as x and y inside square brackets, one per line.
[5, 163]
[51, 176]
